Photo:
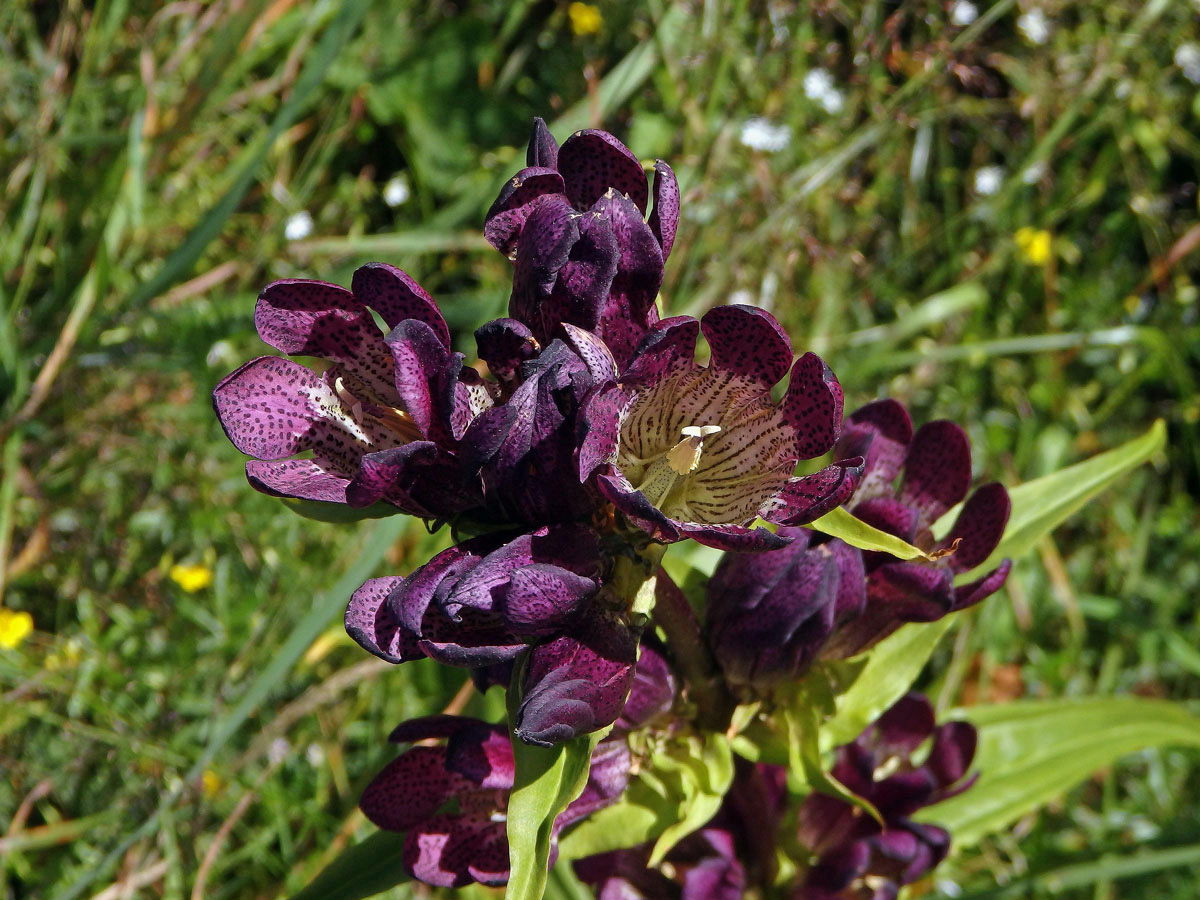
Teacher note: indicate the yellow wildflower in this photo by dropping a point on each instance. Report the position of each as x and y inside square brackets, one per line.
[211, 782]
[1034, 245]
[585, 18]
[14, 627]
[192, 577]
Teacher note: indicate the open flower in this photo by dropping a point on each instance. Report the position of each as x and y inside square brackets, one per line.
[573, 222]
[382, 421]
[935, 464]
[685, 450]
[452, 799]
[859, 859]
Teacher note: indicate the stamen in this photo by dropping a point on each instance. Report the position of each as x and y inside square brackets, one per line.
[684, 457]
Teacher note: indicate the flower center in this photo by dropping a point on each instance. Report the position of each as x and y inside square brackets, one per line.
[371, 422]
[705, 445]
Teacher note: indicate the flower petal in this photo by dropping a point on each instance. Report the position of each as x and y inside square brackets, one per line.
[593, 161]
[543, 148]
[607, 779]
[420, 357]
[801, 500]
[733, 537]
[979, 527]
[577, 683]
[970, 594]
[633, 503]
[629, 310]
[593, 351]
[669, 347]
[813, 406]
[410, 789]
[506, 218]
[937, 470]
[652, 693]
[483, 754]
[313, 318]
[748, 341]
[599, 427]
[303, 479]
[664, 217]
[396, 296]
[902, 728]
[505, 344]
[453, 851]
[953, 749]
[881, 432]
[890, 515]
[273, 408]
[373, 626]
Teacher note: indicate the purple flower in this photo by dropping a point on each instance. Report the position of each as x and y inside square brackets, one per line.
[769, 614]
[382, 422]
[935, 468]
[572, 221]
[685, 450]
[452, 799]
[483, 602]
[856, 857]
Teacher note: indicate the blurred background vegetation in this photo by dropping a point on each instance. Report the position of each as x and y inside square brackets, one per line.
[988, 211]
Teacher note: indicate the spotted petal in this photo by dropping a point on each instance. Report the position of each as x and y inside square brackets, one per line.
[813, 406]
[802, 500]
[937, 470]
[664, 217]
[593, 161]
[396, 296]
[542, 149]
[303, 479]
[373, 626]
[508, 214]
[577, 683]
[748, 341]
[979, 527]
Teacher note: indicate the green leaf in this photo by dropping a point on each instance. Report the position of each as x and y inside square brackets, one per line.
[857, 533]
[546, 780]
[889, 670]
[368, 868]
[1031, 752]
[676, 794]
[1039, 506]
[704, 769]
[802, 718]
[321, 511]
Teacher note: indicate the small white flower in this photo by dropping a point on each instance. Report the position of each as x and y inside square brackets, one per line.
[1187, 57]
[819, 87]
[988, 180]
[315, 755]
[762, 134]
[299, 226]
[1035, 26]
[741, 297]
[220, 353]
[963, 12]
[278, 751]
[1034, 173]
[396, 191]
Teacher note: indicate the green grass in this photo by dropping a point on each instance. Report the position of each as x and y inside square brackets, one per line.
[152, 157]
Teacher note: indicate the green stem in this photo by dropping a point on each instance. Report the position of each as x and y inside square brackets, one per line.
[695, 661]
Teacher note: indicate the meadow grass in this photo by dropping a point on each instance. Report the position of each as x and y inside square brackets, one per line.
[991, 229]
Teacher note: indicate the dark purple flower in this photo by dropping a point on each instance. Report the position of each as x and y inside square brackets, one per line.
[573, 223]
[452, 799]
[935, 469]
[482, 602]
[382, 422]
[685, 450]
[856, 857]
[769, 614]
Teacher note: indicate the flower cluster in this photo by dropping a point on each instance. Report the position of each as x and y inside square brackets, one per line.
[589, 436]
